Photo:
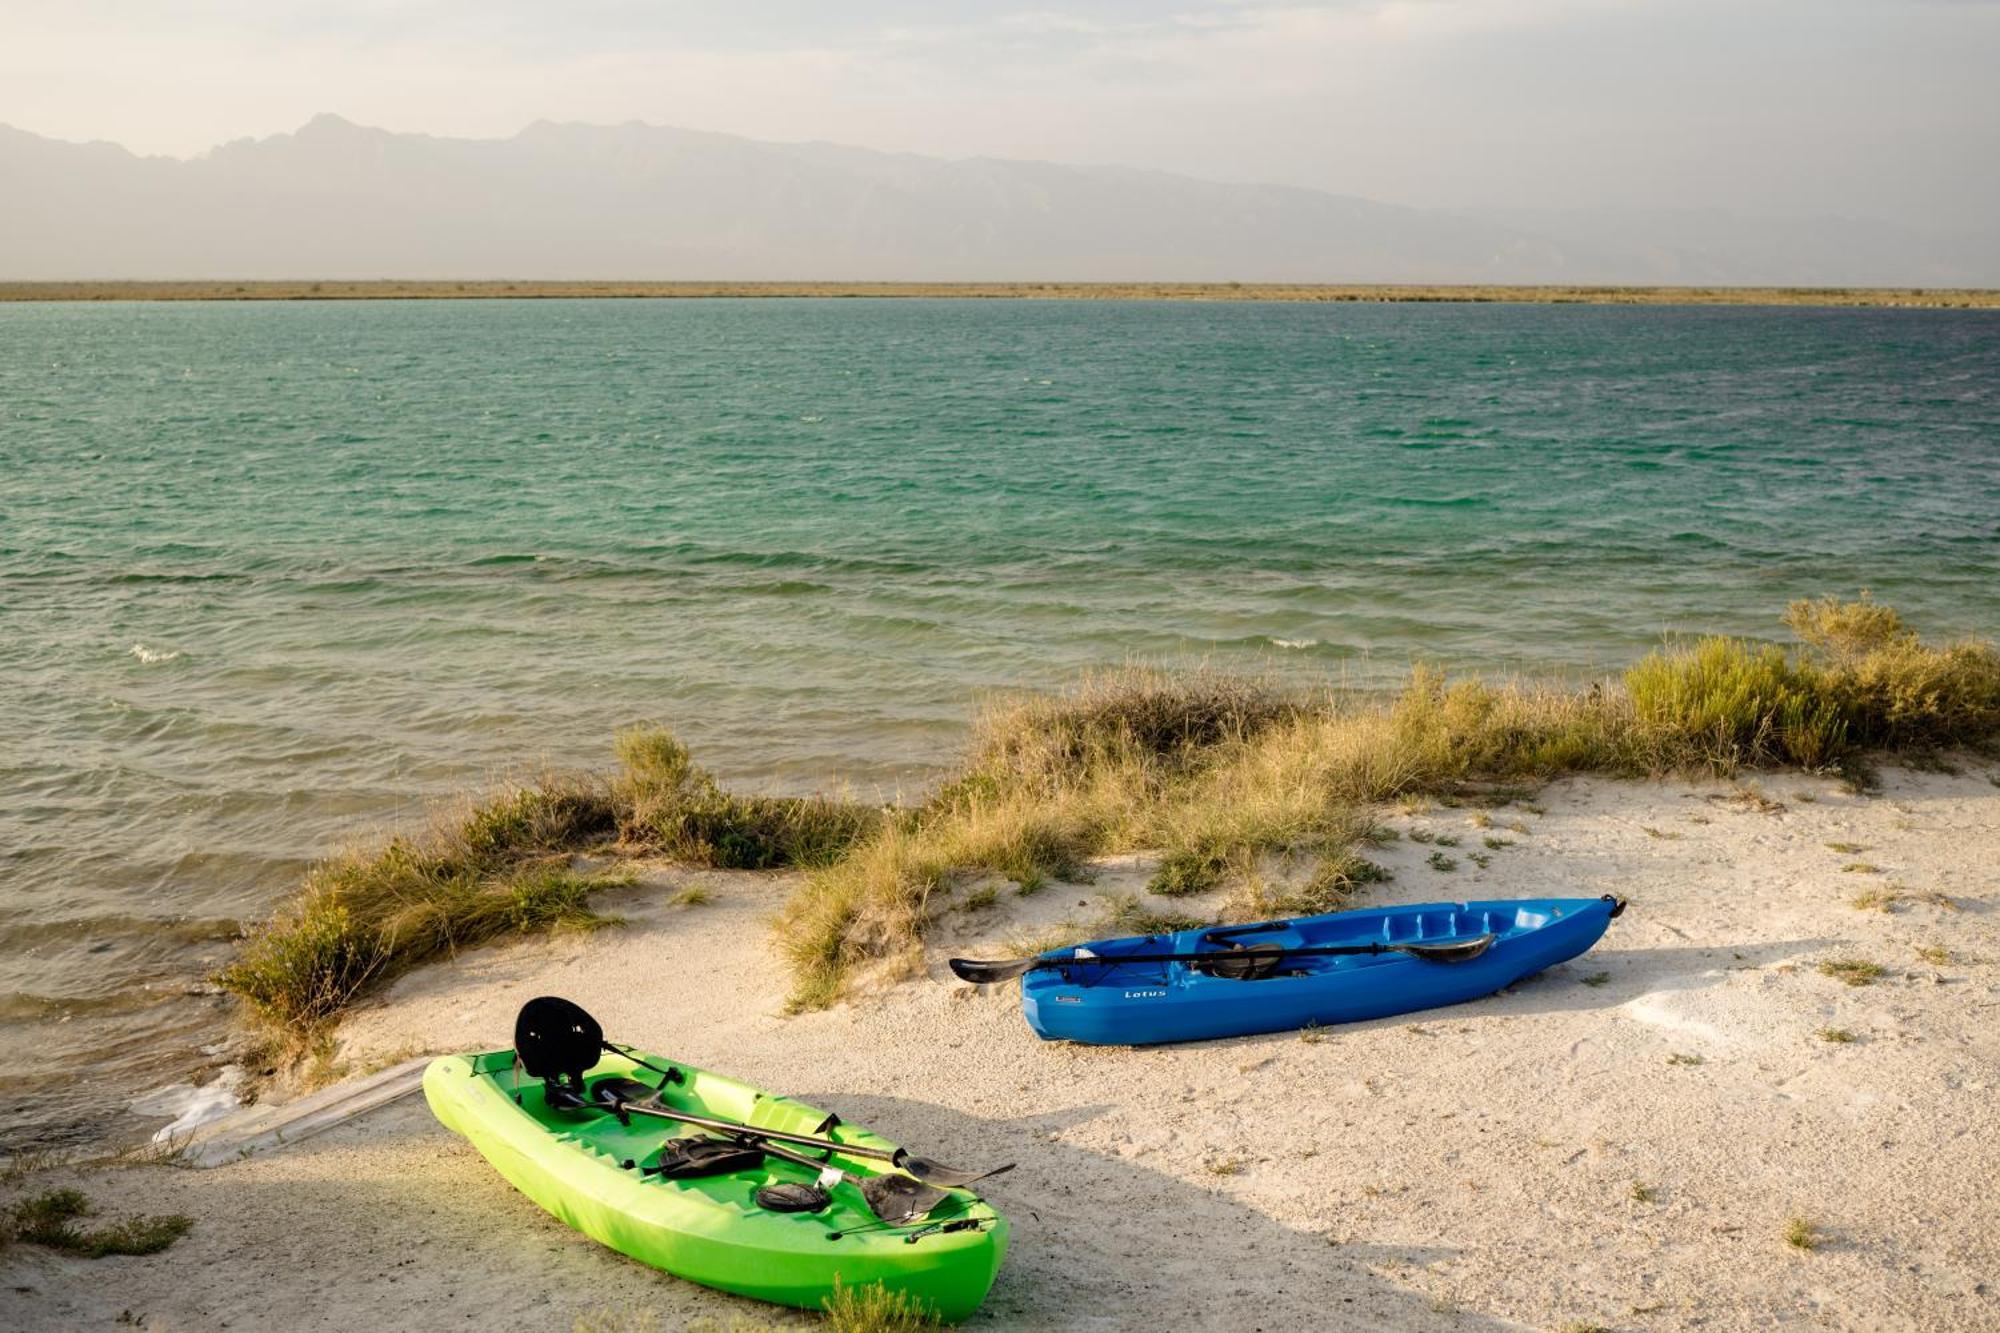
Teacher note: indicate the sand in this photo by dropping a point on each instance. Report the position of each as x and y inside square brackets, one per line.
[1466, 1168]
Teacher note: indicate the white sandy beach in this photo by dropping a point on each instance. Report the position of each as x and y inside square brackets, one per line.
[1457, 1169]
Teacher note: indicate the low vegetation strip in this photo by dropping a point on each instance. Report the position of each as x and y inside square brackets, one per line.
[508, 867]
[1224, 777]
[421, 289]
[53, 1220]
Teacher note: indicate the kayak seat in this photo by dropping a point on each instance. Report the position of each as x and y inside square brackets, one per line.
[1255, 963]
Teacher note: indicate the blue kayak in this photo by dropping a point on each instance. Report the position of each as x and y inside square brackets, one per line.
[1395, 963]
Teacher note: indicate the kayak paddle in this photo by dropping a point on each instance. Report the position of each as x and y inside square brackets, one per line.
[1431, 951]
[556, 1041]
[623, 1096]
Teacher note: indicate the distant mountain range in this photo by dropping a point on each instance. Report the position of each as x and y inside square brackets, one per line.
[561, 201]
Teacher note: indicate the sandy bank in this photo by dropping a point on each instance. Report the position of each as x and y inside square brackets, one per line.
[419, 289]
[1459, 1169]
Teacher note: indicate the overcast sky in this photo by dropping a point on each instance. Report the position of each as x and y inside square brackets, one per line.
[1866, 108]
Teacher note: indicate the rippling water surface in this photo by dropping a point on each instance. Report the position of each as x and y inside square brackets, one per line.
[273, 576]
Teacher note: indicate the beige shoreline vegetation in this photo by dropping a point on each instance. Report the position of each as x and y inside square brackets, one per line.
[1631, 1140]
[420, 289]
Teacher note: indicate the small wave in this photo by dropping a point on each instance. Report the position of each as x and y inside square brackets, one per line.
[66, 930]
[152, 656]
[27, 1005]
[1295, 643]
[142, 577]
[191, 1106]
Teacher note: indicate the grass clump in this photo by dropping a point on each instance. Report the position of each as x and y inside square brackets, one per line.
[1681, 1058]
[874, 1308]
[1802, 1235]
[1187, 871]
[1876, 900]
[1125, 914]
[1725, 704]
[1643, 1193]
[505, 867]
[1934, 954]
[1892, 690]
[52, 1219]
[1851, 971]
[1835, 1036]
[1336, 880]
[666, 805]
[1440, 862]
[364, 920]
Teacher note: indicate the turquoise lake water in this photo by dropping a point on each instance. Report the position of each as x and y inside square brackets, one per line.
[274, 576]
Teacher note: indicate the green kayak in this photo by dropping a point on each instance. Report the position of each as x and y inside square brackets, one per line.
[589, 1166]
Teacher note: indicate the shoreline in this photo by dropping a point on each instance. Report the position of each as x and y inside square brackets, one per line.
[1570, 1151]
[500, 289]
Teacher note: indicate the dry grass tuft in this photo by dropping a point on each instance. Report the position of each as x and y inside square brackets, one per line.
[1876, 900]
[874, 1308]
[1851, 971]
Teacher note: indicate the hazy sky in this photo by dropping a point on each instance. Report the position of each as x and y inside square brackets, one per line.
[1868, 108]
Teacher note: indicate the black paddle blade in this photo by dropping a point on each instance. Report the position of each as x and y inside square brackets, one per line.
[556, 1039]
[933, 1172]
[898, 1199]
[694, 1158]
[1457, 951]
[988, 974]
